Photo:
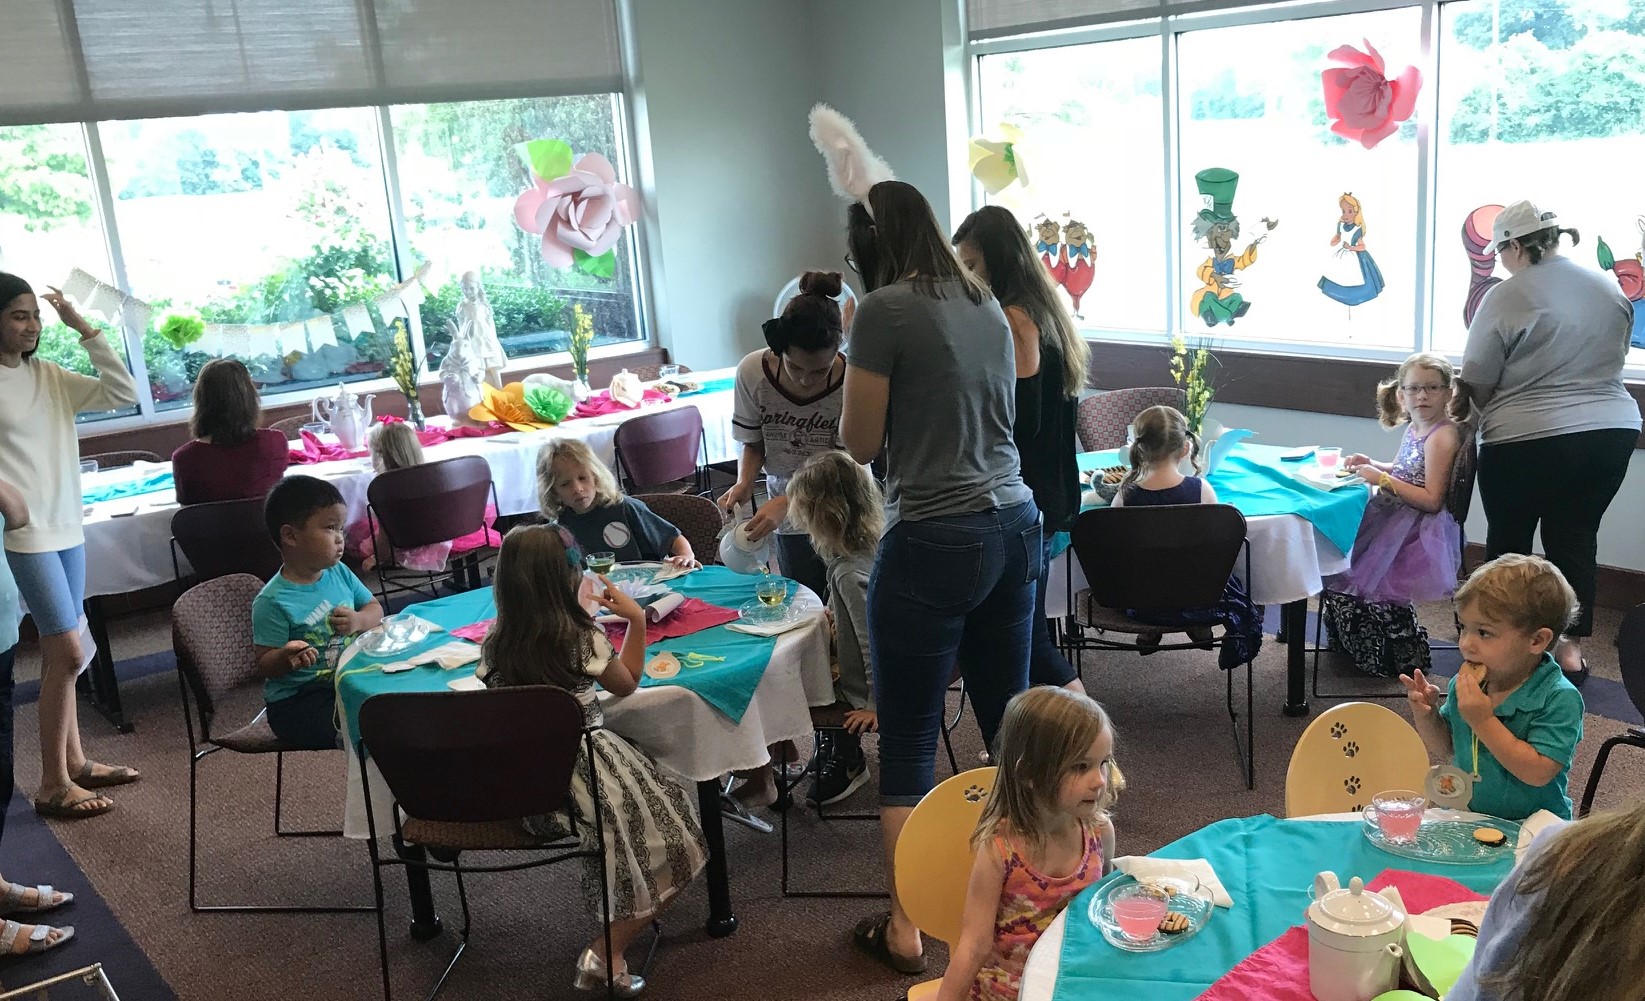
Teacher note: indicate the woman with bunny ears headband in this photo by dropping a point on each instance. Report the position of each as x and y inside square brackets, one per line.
[930, 377]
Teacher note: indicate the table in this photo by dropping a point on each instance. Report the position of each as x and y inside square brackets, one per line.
[1290, 558]
[1263, 908]
[672, 724]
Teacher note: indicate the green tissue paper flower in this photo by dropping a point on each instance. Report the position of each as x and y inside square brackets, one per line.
[181, 329]
[548, 402]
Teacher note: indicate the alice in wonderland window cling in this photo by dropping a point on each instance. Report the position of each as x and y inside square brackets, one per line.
[1476, 240]
[1080, 251]
[1216, 227]
[1048, 244]
[1630, 274]
[1355, 278]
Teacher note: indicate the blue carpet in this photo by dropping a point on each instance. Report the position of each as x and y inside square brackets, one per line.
[33, 855]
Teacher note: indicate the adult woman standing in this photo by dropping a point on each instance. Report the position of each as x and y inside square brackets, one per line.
[39, 456]
[1544, 362]
[1052, 359]
[930, 378]
[230, 458]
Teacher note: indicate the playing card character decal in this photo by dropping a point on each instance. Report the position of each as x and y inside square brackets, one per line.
[1217, 300]
[1630, 274]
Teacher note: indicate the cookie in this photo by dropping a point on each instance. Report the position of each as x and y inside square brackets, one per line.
[1489, 836]
[1174, 923]
[1113, 474]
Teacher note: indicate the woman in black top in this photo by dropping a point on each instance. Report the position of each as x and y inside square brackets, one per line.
[1051, 370]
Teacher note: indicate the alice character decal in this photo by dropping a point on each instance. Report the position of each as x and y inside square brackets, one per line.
[1081, 253]
[1216, 301]
[1630, 274]
[1476, 240]
[1361, 281]
[1048, 245]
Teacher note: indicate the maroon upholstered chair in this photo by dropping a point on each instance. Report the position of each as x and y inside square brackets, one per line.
[427, 504]
[291, 426]
[1103, 418]
[698, 519]
[222, 538]
[114, 460]
[661, 448]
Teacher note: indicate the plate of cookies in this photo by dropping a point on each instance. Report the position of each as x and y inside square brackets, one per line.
[1106, 482]
[1459, 842]
[1183, 912]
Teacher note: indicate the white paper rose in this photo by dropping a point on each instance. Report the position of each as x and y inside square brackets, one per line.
[583, 210]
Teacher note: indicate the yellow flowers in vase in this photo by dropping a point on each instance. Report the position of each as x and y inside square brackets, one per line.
[582, 337]
[404, 366]
[1194, 370]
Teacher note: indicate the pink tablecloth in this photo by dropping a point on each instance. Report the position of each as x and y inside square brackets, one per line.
[315, 450]
[693, 616]
[601, 404]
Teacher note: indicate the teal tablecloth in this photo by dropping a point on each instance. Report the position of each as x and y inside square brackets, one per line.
[150, 483]
[712, 386]
[1268, 866]
[727, 686]
[1255, 480]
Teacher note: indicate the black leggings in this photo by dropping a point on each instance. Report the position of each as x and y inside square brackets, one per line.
[1563, 483]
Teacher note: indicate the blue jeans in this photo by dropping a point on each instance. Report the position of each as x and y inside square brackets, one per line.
[946, 590]
[54, 586]
[8, 782]
[1047, 665]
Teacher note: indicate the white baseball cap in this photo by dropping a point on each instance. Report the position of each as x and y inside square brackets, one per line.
[1518, 221]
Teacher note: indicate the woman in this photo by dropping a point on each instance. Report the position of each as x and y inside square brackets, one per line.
[39, 455]
[930, 362]
[1544, 362]
[230, 458]
[1052, 359]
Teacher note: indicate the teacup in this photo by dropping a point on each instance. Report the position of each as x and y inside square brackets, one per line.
[1397, 814]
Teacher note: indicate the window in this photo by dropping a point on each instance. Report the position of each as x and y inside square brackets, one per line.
[459, 176]
[1076, 102]
[49, 226]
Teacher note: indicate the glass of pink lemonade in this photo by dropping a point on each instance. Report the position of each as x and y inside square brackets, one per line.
[1328, 458]
[1397, 814]
[1138, 910]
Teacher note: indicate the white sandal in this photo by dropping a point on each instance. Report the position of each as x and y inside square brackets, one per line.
[38, 939]
[12, 901]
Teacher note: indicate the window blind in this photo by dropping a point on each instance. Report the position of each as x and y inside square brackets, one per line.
[96, 60]
[997, 18]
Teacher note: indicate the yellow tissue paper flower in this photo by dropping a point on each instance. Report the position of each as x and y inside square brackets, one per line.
[507, 405]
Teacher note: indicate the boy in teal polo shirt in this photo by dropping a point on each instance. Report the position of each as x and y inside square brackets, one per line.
[1511, 719]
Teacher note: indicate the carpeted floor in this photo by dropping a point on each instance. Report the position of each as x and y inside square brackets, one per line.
[1173, 741]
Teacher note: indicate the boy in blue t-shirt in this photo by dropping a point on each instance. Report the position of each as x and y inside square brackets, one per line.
[1511, 718]
[311, 601]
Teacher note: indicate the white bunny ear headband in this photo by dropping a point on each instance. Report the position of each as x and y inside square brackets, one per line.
[852, 166]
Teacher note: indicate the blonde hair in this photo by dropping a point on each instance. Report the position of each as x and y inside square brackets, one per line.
[1161, 432]
[1527, 592]
[1583, 935]
[1389, 412]
[577, 452]
[838, 504]
[1044, 732]
[394, 445]
[1348, 200]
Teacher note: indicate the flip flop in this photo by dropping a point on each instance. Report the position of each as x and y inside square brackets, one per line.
[63, 808]
[1578, 677]
[869, 936]
[39, 939]
[12, 902]
[118, 775]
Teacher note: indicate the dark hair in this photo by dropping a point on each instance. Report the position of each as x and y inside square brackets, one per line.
[294, 500]
[226, 406]
[811, 320]
[864, 245]
[541, 636]
[911, 243]
[1018, 278]
[1538, 242]
[11, 287]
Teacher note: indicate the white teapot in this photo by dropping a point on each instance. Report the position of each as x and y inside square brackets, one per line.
[741, 554]
[1355, 940]
[347, 417]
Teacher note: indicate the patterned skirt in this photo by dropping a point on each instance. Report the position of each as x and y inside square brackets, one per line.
[653, 839]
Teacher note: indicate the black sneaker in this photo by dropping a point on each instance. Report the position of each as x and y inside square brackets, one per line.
[839, 776]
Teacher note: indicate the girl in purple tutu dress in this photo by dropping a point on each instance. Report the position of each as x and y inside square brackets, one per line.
[1409, 547]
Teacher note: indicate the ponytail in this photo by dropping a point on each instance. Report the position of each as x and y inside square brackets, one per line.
[811, 321]
[1389, 414]
[1160, 434]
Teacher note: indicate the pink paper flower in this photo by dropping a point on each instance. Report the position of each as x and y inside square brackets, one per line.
[584, 210]
[1362, 102]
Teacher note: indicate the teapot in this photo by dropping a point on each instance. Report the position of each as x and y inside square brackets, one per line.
[346, 416]
[1355, 940]
[741, 554]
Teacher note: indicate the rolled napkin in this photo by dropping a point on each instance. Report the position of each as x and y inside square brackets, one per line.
[450, 656]
[1141, 867]
[655, 610]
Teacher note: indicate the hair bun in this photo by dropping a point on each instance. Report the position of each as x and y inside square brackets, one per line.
[823, 283]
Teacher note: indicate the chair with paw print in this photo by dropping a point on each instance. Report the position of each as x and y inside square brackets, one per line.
[1348, 754]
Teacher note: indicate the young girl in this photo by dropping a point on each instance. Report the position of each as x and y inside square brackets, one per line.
[653, 842]
[840, 505]
[1162, 442]
[788, 408]
[1408, 547]
[575, 488]
[1044, 836]
[394, 445]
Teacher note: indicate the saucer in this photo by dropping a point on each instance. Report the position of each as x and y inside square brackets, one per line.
[762, 614]
[393, 634]
[1195, 908]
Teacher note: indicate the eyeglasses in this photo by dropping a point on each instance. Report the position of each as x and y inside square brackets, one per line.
[1422, 390]
[851, 263]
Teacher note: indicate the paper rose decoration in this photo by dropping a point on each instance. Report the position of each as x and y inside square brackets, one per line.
[509, 406]
[549, 402]
[579, 208]
[1362, 103]
[997, 162]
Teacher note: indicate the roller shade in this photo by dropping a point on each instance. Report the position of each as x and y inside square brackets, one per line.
[998, 18]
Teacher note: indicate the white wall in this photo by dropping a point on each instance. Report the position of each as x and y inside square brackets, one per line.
[1621, 541]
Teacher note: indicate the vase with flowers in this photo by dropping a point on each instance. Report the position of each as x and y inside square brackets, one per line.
[1194, 369]
[404, 366]
[582, 338]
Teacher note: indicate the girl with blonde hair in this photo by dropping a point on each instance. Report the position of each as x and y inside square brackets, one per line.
[576, 489]
[1350, 239]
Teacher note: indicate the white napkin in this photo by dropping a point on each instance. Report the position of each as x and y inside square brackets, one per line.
[468, 684]
[1141, 867]
[1532, 827]
[768, 628]
[669, 571]
[654, 612]
[451, 655]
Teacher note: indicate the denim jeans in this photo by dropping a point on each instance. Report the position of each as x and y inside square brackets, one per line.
[8, 781]
[1047, 665]
[946, 590]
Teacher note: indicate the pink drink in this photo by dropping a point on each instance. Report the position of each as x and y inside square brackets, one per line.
[1139, 917]
[1399, 821]
[1327, 458]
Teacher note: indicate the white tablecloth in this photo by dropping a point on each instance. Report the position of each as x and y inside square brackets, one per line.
[683, 733]
[1289, 557]
[128, 540]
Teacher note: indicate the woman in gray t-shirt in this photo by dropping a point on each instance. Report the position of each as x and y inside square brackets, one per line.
[930, 378]
[1544, 363]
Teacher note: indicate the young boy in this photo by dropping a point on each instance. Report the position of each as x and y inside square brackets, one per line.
[311, 601]
[1510, 718]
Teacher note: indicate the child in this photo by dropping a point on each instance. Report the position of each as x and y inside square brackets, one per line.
[1561, 927]
[1162, 442]
[1044, 835]
[838, 503]
[1409, 547]
[300, 617]
[575, 488]
[394, 445]
[653, 842]
[788, 408]
[1510, 719]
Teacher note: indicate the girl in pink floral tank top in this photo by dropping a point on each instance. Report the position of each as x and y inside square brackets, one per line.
[1044, 835]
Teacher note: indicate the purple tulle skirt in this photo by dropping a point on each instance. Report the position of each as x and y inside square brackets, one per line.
[1402, 554]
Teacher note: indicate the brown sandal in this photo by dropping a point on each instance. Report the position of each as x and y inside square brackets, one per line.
[117, 775]
[61, 807]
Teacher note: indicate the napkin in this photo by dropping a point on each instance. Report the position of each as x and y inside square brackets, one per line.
[1532, 827]
[448, 655]
[768, 628]
[669, 571]
[1140, 867]
[655, 611]
[467, 684]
